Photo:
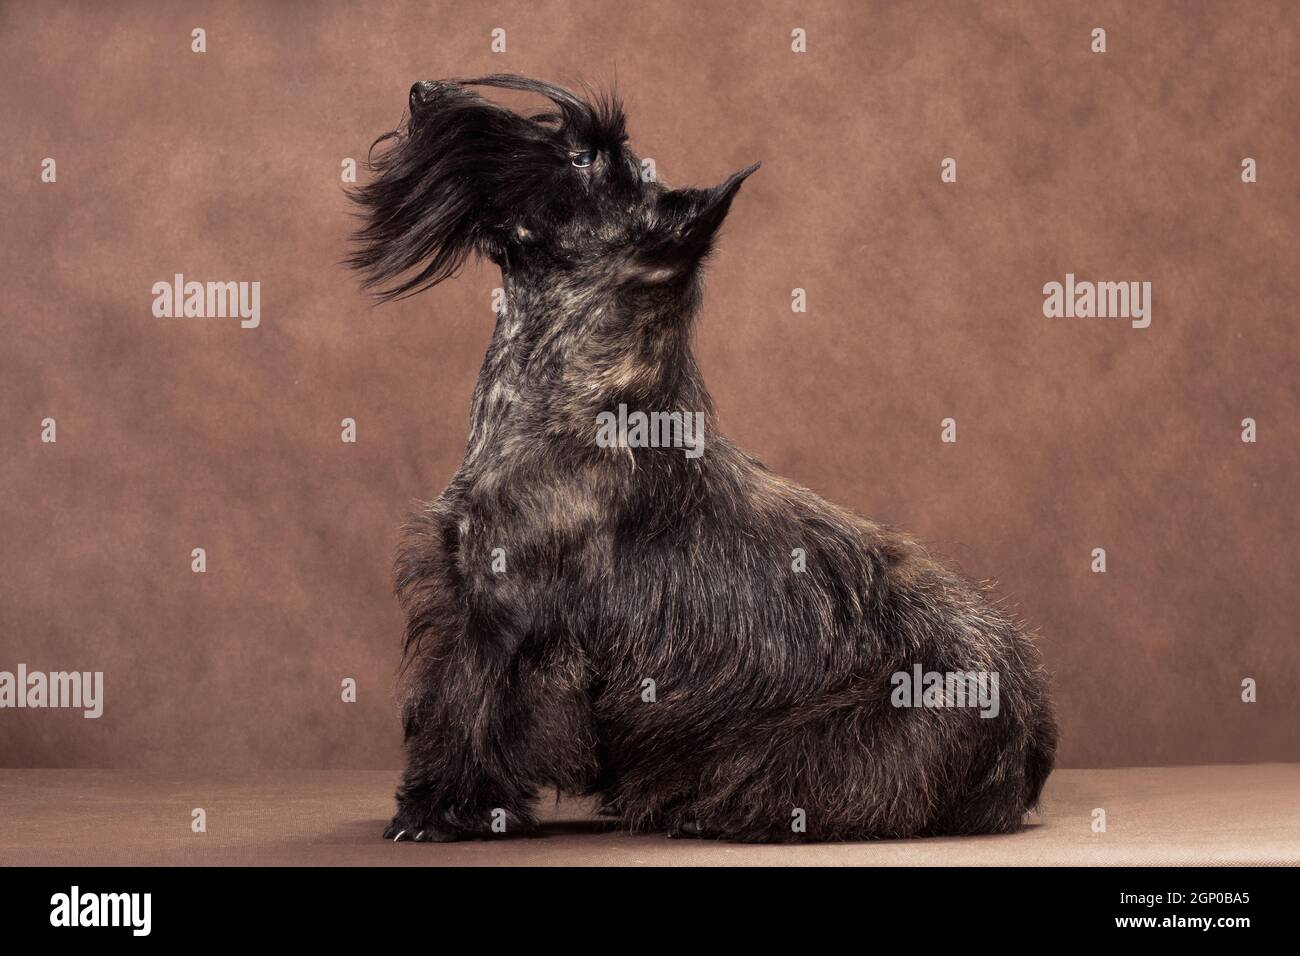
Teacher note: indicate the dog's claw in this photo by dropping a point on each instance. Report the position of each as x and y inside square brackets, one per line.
[403, 829]
[689, 830]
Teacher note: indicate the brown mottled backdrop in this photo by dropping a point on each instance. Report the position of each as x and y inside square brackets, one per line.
[924, 302]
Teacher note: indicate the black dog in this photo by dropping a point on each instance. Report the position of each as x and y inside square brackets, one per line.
[710, 648]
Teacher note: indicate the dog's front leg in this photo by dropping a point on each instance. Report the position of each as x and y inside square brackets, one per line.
[463, 774]
[491, 716]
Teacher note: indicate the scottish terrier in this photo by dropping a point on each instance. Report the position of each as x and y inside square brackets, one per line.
[708, 648]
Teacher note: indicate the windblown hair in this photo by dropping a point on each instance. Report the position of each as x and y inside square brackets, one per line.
[707, 647]
[460, 171]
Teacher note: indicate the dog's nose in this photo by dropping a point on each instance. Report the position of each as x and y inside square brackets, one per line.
[426, 92]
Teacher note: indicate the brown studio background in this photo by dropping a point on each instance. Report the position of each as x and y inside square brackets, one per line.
[924, 302]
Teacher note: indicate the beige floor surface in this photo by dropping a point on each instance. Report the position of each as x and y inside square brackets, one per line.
[1154, 816]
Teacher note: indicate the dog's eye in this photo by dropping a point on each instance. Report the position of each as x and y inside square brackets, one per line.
[584, 159]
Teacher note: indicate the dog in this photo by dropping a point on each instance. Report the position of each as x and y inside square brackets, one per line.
[709, 649]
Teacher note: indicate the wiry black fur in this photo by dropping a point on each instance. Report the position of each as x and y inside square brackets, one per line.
[628, 564]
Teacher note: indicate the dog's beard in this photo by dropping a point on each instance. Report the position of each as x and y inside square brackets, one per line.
[420, 209]
[460, 176]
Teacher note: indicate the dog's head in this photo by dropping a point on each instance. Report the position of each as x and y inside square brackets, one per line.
[466, 175]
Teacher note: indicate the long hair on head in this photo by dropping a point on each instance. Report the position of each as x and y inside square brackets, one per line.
[461, 171]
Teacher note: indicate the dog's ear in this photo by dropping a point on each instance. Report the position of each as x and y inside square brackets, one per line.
[694, 217]
[711, 208]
